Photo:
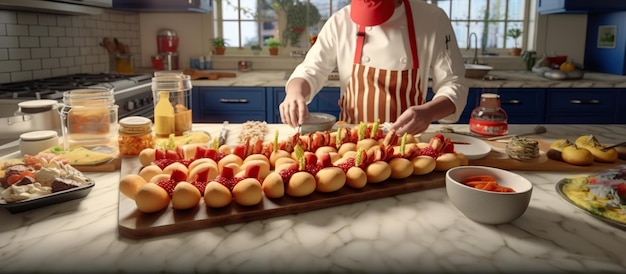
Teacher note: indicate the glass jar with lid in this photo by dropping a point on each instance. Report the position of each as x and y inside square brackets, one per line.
[178, 88]
[135, 135]
[89, 117]
[488, 118]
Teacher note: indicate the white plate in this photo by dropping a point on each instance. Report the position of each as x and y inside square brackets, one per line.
[476, 149]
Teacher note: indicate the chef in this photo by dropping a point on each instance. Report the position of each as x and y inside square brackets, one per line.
[384, 51]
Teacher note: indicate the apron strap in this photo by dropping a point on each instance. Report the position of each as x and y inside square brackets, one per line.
[412, 39]
[360, 40]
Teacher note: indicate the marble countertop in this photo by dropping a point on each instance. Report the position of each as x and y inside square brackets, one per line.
[509, 79]
[420, 231]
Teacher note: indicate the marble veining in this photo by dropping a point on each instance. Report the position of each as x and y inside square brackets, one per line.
[413, 232]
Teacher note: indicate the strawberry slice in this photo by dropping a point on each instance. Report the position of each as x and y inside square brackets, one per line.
[200, 152]
[171, 155]
[240, 150]
[159, 154]
[178, 175]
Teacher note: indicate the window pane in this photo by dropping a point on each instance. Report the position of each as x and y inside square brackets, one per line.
[478, 9]
[231, 33]
[497, 10]
[229, 12]
[460, 10]
[445, 6]
[460, 30]
[249, 33]
[516, 10]
[248, 9]
[495, 35]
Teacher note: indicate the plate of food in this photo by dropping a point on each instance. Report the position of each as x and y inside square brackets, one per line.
[35, 182]
[602, 195]
[473, 148]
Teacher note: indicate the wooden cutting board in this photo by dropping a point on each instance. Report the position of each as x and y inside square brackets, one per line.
[134, 224]
[499, 158]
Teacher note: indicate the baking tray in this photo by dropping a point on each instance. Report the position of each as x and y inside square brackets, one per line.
[50, 199]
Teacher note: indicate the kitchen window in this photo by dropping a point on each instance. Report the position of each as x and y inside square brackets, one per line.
[244, 23]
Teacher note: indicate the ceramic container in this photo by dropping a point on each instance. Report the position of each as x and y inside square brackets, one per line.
[485, 206]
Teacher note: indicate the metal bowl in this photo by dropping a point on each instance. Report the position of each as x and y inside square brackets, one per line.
[318, 121]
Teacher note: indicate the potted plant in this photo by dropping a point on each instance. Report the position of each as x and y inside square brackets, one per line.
[515, 33]
[273, 44]
[256, 49]
[219, 44]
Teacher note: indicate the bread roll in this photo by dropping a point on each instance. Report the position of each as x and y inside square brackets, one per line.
[151, 198]
[423, 165]
[400, 168]
[217, 195]
[301, 184]
[130, 184]
[273, 186]
[356, 177]
[377, 172]
[446, 161]
[330, 179]
[185, 196]
[248, 192]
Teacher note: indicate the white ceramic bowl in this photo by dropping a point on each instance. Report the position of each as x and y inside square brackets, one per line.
[318, 121]
[484, 206]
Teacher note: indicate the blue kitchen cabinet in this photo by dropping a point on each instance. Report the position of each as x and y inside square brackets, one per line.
[234, 104]
[523, 105]
[579, 6]
[620, 113]
[325, 101]
[582, 106]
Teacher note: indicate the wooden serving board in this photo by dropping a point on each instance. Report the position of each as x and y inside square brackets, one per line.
[134, 224]
[500, 159]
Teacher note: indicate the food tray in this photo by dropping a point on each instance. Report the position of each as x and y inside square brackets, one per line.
[134, 224]
[46, 200]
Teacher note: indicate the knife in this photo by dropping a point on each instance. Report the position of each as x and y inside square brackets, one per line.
[223, 134]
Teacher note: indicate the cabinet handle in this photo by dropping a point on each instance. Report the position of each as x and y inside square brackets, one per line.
[236, 101]
[511, 102]
[581, 102]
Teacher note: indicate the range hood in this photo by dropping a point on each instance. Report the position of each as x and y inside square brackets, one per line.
[199, 6]
[68, 7]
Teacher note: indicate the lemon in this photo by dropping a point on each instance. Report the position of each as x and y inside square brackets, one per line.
[567, 66]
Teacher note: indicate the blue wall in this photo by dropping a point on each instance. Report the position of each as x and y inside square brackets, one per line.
[607, 60]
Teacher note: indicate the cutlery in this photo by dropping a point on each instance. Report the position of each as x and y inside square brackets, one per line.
[223, 134]
[536, 130]
[613, 146]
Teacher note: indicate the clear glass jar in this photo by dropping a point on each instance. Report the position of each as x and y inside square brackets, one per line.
[178, 86]
[89, 117]
[135, 135]
[488, 118]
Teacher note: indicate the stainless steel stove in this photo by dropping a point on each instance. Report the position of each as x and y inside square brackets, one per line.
[133, 93]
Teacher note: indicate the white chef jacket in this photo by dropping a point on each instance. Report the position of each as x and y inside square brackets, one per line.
[387, 47]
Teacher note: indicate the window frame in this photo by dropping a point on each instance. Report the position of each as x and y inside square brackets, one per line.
[526, 25]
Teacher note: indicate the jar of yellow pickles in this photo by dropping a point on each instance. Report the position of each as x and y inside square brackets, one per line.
[135, 135]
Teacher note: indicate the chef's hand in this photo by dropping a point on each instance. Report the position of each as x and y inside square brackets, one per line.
[414, 120]
[293, 109]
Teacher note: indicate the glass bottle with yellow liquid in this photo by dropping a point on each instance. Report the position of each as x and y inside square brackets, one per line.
[163, 116]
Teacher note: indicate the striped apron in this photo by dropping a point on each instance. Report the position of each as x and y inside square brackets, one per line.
[378, 94]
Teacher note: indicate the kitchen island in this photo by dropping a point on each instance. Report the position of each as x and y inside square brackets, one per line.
[413, 232]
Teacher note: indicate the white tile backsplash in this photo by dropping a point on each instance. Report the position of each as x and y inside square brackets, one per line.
[39, 45]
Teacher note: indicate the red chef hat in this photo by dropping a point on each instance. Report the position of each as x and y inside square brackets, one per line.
[371, 12]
